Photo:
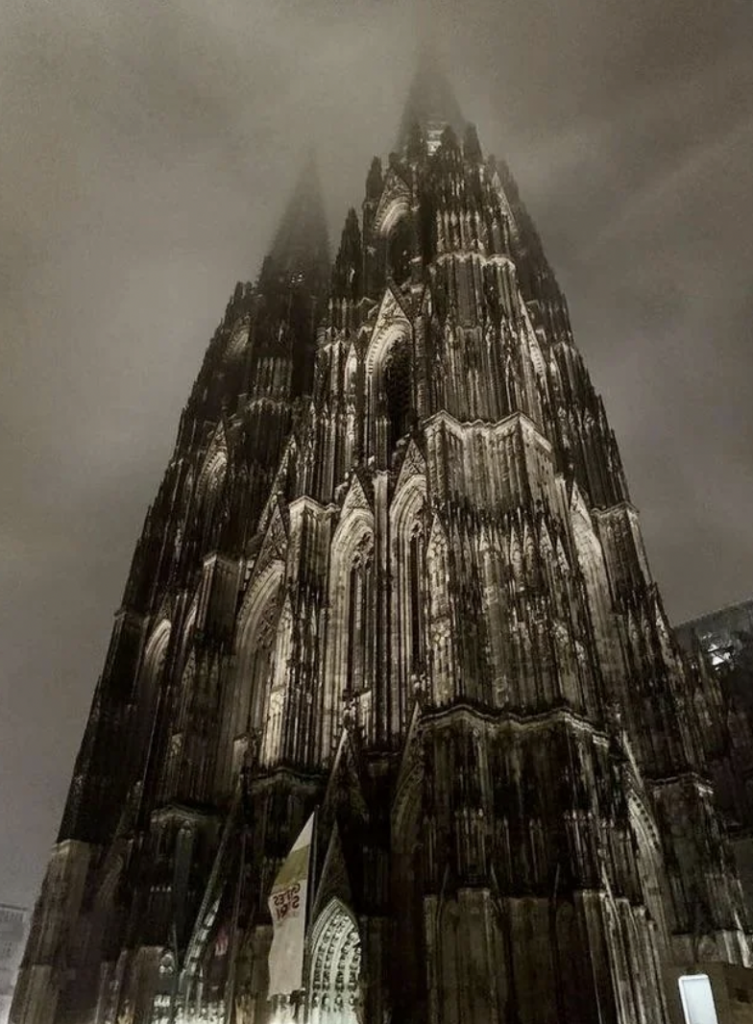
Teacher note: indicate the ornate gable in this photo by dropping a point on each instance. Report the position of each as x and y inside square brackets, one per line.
[356, 498]
[274, 546]
[393, 318]
[391, 309]
[414, 464]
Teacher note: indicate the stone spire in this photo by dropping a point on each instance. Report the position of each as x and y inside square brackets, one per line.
[300, 247]
[431, 102]
[392, 573]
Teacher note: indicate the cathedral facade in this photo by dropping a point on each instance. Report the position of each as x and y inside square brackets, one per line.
[393, 575]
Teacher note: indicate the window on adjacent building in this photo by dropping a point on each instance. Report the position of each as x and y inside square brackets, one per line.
[697, 999]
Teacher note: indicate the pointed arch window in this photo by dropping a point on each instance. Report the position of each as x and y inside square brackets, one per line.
[416, 610]
[408, 570]
[398, 391]
[360, 658]
[261, 667]
[276, 701]
[248, 700]
[209, 492]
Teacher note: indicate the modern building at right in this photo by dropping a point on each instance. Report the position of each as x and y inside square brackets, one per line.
[13, 921]
[722, 634]
[724, 639]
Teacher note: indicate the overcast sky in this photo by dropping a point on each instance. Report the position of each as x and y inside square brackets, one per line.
[146, 151]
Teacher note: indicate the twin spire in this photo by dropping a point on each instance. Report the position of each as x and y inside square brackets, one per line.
[300, 248]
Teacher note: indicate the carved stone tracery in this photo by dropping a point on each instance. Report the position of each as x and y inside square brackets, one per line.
[334, 988]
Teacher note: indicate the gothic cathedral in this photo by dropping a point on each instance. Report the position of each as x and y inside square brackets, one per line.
[392, 576]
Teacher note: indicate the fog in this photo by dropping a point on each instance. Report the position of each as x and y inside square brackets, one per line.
[146, 152]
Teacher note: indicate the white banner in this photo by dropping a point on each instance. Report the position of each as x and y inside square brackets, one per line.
[287, 905]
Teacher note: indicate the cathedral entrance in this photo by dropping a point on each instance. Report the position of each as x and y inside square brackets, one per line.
[334, 989]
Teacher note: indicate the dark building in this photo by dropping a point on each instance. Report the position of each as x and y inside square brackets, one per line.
[725, 635]
[724, 640]
[393, 574]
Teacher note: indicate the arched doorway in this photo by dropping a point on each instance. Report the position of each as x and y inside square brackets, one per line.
[334, 980]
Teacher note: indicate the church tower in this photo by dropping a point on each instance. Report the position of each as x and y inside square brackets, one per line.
[393, 576]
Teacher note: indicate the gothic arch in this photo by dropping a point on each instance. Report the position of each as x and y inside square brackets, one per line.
[351, 645]
[153, 664]
[590, 556]
[209, 485]
[335, 972]
[150, 683]
[276, 691]
[212, 473]
[156, 645]
[394, 330]
[255, 648]
[408, 567]
[110, 877]
[393, 206]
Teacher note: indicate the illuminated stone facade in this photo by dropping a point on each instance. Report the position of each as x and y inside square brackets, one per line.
[392, 572]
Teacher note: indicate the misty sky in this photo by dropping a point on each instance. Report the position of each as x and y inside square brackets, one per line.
[146, 150]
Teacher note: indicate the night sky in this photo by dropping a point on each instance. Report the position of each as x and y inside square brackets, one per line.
[146, 152]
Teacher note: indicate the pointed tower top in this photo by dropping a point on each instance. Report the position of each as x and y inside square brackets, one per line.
[431, 101]
[300, 247]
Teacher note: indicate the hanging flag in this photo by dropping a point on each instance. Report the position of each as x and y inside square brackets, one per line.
[287, 905]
